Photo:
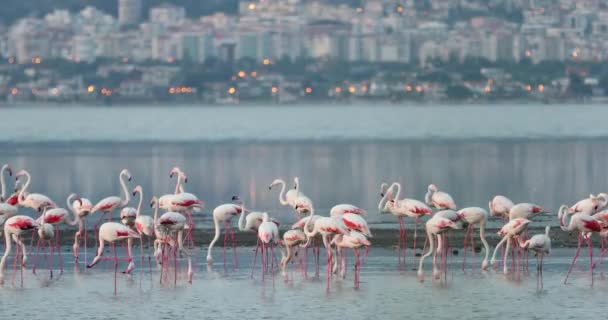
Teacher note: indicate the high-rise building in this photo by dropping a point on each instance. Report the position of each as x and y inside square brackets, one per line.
[129, 12]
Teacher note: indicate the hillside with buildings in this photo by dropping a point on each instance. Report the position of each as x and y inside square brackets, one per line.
[288, 50]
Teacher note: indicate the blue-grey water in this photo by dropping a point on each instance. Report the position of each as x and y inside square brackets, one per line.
[544, 154]
[384, 292]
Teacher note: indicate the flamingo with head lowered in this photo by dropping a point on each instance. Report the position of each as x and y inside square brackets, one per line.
[509, 232]
[439, 199]
[541, 245]
[475, 216]
[436, 228]
[326, 227]
[355, 240]
[81, 208]
[585, 225]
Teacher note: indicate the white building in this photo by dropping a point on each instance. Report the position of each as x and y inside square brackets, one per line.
[167, 15]
[129, 12]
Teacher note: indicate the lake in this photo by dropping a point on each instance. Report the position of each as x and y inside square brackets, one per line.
[546, 154]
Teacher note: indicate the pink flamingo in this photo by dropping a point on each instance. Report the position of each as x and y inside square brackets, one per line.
[268, 233]
[500, 207]
[355, 240]
[589, 205]
[143, 224]
[35, 201]
[439, 199]
[169, 230]
[327, 227]
[353, 222]
[316, 251]
[402, 208]
[112, 232]
[585, 225]
[525, 210]
[55, 217]
[14, 227]
[302, 202]
[509, 231]
[291, 239]
[473, 216]
[541, 245]
[182, 202]
[81, 208]
[109, 204]
[436, 227]
[46, 234]
[223, 214]
[285, 198]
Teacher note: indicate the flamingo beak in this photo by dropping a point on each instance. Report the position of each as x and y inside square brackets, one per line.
[130, 178]
[186, 180]
[134, 193]
[10, 171]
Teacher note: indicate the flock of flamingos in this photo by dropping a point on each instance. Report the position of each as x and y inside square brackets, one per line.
[170, 234]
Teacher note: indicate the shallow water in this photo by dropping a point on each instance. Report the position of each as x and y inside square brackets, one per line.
[385, 292]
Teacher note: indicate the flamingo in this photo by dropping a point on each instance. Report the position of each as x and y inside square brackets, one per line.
[268, 233]
[435, 229]
[500, 206]
[224, 214]
[327, 227]
[473, 216]
[14, 227]
[143, 224]
[7, 169]
[585, 225]
[316, 251]
[46, 233]
[182, 202]
[169, 226]
[439, 199]
[55, 217]
[525, 210]
[109, 204]
[291, 239]
[589, 205]
[81, 208]
[285, 198]
[355, 240]
[509, 231]
[353, 222]
[176, 171]
[402, 208]
[35, 201]
[541, 245]
[112, 232]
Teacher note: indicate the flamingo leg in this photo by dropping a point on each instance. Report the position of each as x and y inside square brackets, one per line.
[225, 242]
[35, 264]
[257, 247]
[472, 237]
[115, 268]
[58, 246]
[578, 249]
[464, 247]
[357, 268]
[542, 256]
[400, 242]
[591, 264]
[236, 261]
[263, 253]
[415, 239]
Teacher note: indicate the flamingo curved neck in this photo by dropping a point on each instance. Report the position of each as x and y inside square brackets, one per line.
[21, 197]
[75, 219]
[241, 222]
[125, 192]
[309, 234]
[141, 200]
[398, 193]
[2, 182]
[282, 193]
[180, 179]
[384, 200]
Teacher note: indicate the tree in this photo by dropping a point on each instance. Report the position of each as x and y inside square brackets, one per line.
[458, 92]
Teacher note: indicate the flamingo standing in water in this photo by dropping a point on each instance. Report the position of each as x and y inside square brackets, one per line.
[109, 204]
[508, 232]
[169, 230]
[341, 209]
[81, 208]
[293, 198]
[223, 214]
[182, 202]
[355, 240]
[541, 245]
[402, 208]
[112, 232]
[268, 233]
[14, 227]
[327, 227]
[56, 217]
[316, 251]
[585, 225]
[473, 216]
[143, 224]
[436, 227]
[46, 234]
[302, 202]
[291, 239]
[439, 199]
